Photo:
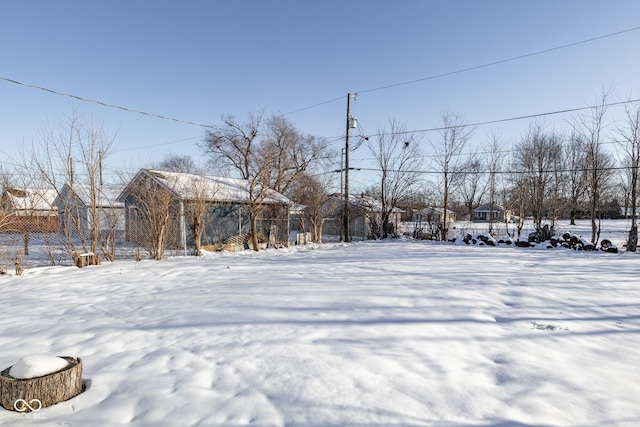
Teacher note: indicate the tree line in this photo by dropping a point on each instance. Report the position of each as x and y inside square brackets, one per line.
[589, 170]
[547, 174]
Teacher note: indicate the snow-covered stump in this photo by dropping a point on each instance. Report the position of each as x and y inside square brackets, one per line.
[36, 382]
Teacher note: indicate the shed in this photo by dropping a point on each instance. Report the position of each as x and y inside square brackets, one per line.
[76, 214]
[29, 210]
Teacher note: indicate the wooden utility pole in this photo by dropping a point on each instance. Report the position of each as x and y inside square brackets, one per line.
[345, 219]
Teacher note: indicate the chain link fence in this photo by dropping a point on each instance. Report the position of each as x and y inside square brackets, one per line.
[59, 238]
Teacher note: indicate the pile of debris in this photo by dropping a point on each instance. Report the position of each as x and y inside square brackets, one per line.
[536, 239]
[567, 240]
[481, 239]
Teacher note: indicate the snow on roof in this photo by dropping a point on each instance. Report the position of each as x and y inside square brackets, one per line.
[106, 196]
[193, 186]
[38, 199]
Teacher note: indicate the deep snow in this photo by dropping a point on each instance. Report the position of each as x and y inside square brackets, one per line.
[386, 333]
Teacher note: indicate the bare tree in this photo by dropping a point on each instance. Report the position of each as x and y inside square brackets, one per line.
[472, 182]
[236, 145]
[201, 192]
[156, 206]
[312, 195]
[598, 162]
[454, 136]
[575, 173]
[537, 156]
[178, 163]
[399, 160]
[630, 140]
[294, 153]
[557, 182]
[270, 156]
[196, 213]
[494, 161]
[74, 153]
[519, 197]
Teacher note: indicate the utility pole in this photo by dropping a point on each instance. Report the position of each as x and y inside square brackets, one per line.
[342, 187]
[346, 173]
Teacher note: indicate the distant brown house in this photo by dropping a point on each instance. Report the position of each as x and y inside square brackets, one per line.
[28, 210]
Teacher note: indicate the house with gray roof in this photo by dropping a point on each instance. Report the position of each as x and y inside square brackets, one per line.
[226, 215]
[81, 208]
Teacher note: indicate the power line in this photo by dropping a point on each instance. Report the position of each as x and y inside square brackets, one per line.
[473, 68]
[158, 145]
[104, 104]
[502, 61]
[168, 118]
[509, 119]
[314, 106]
[480, 153]
[501, 172]
[529, 116]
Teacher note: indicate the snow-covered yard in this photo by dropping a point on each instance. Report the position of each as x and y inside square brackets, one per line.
[386, 333]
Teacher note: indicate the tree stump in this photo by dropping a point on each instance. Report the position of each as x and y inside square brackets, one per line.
[83, 260]
[32, 394]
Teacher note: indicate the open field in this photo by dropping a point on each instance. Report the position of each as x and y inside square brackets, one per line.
[382, 333]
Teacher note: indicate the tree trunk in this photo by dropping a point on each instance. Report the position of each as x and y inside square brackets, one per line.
[198, 230]
[32, 394]
[254, 231]
[632, 242]
[385, 225]
[317, 231]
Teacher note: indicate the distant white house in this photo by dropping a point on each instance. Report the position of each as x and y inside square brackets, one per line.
[494, 212]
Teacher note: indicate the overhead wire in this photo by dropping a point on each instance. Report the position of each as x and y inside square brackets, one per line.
[333, 140]
[193, 123]
[473, 68]
[502, 172]
[508, 119]
[104, 104]
[502, 61]
[158, 145]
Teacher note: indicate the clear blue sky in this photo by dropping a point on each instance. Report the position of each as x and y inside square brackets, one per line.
[197, 60]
